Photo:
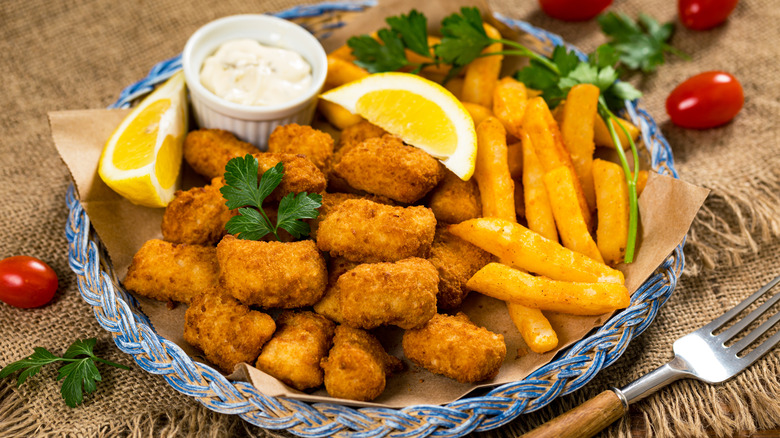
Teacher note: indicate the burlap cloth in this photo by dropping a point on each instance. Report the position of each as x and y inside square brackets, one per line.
[76, 55]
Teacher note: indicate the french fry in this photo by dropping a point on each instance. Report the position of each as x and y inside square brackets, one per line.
[341, 72]
[568, 214]
[519, 200]
[344, 52]
[612, 204]
[440, 69]
[641, 181]
[514, 286]
[538, 212]
[492, 171]
[601, 134]
[455, 86]
[534, 327]
[577, 132]
[509, 99]
[482, 73]
[545, 136]
[336, 114]
[514, 159]
[522, 248]
[477, 112]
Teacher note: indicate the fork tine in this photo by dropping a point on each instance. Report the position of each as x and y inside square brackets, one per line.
[761, 350]
[744, 322]
[756, 333]
[726, 317]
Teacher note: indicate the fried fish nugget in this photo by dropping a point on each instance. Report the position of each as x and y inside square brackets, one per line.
[356, 134]
[455, 347]
[386, 166]
[293, 354]
[331, 200]
[208, 151]
[454, 200]
[357, 366]
[271, 274]
[401, 293]
[329, 305]
[316, 145]
[365, 231]
[168, 271]
[227, 331]
[197, 216]
[456, 260]
[300, 174]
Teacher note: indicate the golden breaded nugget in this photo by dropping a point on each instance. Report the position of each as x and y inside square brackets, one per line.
[454, 200]
[316, 145]
[300, 174]
[401, 293]
[227, 331]
[331, 200]
[168, 271]
[208, 151]
[197, 216]
[356, 134]
[293, 355]
[272, 274]
[329, 305]
[386, 166]
[365, 231]
[357, 366]
[456, 260]
[455, 347]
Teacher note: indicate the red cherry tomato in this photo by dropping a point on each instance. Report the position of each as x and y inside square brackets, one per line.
[26, 282]
[704, 14]
[574, 10]
[706, 100]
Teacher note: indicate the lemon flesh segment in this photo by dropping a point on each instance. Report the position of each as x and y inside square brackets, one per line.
[422, 113]
[141, 160]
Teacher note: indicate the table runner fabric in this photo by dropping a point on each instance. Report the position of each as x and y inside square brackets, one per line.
[77, 55]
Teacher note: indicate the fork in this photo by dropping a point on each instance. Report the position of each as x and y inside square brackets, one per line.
[701, 355]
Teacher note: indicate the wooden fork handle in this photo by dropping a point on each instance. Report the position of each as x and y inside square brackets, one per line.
[585, 420]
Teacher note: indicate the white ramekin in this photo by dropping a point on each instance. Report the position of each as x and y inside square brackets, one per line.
[251, 123]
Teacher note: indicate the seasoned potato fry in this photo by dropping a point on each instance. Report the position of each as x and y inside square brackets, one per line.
[519, 201]
[455, 86]
[509, 98]
[569, 217]
[538, 211]
[337, 115]
[454, 200]
[482, 73]
[341, 72]
[612, 203]
[514, 160]
[524, 249]
[477, 112]
[601, 133]
[577, 133]
[534, 327]
[293, 138]
[508, 284]
[491, 171]
[439, 69]
[545, 136]
[641, 181]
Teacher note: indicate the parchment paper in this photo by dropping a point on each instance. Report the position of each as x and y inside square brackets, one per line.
[667, 208]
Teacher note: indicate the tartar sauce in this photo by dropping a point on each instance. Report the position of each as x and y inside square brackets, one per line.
[247, 72]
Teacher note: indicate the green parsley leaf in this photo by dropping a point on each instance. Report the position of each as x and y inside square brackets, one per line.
[379, 57]
[79, 375]
[463, 37]
[641, 45]
[294, 207]
[249, 224]
[413, 30]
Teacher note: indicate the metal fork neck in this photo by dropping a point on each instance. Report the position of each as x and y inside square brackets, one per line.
[653, 381]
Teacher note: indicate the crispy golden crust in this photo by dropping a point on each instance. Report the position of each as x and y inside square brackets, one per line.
[358, 133]
[197, 216]
[357, 365]
[456, 261]
[208, 150]
[401, 293]
[454, 200]
[329, 306]
[365, 231]
[316, 145]
[385, 166]
[455, 347]
[331, 200]
[300, 174]
[173, 272]
[227, 331]
[293, 355]
[271, 274]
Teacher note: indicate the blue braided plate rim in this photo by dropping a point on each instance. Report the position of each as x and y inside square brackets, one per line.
[119, 313]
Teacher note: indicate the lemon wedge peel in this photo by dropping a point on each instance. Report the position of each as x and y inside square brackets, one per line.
[421, 112]
[141, 160]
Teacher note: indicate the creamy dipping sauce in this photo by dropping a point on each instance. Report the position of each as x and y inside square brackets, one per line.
[246, 72]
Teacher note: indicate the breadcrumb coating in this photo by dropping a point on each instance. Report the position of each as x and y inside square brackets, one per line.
[316, 145]
[207, 151]
[454, 200]
[197, 216]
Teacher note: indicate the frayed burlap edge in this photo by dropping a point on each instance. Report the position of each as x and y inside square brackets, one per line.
[733, 222]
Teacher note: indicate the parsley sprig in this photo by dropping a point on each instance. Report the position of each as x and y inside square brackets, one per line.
[79, 375]
[243, 192]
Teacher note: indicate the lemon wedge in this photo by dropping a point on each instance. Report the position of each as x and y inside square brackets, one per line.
[142, 159]
[422, 113]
